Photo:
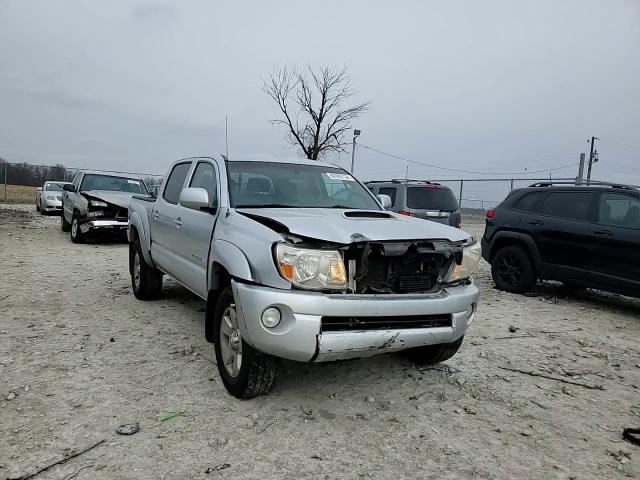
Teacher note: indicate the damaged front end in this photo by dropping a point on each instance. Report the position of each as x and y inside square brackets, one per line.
[400, 267]
[104, 215]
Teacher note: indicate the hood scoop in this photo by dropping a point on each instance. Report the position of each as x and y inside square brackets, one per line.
[367, 214]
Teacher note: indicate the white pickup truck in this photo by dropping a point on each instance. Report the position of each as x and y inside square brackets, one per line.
[299, 260]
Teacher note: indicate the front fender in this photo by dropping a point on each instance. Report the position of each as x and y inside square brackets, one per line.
[232, 259]
[141, 227]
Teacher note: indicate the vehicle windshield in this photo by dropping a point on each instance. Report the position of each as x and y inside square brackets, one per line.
[268, 184]
[431, 198]
[113, 184]
[53, 187]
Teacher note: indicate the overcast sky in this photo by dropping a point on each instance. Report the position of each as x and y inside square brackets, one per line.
[491, 86]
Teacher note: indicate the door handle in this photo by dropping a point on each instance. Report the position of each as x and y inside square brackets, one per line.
[155, 214]
[536, 222]
[603, 232]
[178, 222]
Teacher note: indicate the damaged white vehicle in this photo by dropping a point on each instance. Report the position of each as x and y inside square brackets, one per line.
[97, 201]
[298, 260]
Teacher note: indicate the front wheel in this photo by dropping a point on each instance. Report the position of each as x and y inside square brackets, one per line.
[76, 233]
[512, 270]
[432, 354]
[246, 373]
[146, 281]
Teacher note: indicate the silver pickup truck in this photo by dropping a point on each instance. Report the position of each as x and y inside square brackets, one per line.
[299, 260]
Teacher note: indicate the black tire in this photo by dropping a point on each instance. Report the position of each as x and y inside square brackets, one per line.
[146, 281]
[432, 354]
[38, 208]
[64, 225]
[512, 270]
[258, 371]
[74, 232]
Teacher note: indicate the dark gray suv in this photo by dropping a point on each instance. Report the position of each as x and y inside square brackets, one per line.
[419, 198]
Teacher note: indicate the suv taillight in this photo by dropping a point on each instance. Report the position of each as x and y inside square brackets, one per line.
[404, 212]
[490, 213]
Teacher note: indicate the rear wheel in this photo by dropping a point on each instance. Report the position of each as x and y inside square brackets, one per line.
[76, 233]
[64, 225]
[246, 373]
[432, 354]
[512, 270]
[146, 281]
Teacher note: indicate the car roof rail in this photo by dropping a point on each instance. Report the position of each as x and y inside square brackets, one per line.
[592, 183]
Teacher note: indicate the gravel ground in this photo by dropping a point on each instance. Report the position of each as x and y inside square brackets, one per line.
[79, 356]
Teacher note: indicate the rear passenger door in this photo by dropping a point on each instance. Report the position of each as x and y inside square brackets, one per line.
[563, 234]
[194, 235]
[617, 234]
[165, 217]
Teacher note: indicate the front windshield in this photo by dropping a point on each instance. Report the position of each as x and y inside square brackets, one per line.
[265, 184]
[53, 187]
[113, 184]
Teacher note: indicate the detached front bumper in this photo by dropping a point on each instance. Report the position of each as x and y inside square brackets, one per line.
[104, 225]
[299, 335]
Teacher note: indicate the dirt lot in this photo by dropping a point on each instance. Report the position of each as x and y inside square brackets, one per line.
[79, 355]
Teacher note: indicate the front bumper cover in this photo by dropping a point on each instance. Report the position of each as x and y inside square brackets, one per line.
[298, 336]
[107, 225]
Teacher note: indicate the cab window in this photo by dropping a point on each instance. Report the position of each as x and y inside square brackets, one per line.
[205, 177]
[175, 182]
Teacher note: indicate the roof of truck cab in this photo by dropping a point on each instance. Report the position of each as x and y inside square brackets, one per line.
[112, 174]
[274, 159]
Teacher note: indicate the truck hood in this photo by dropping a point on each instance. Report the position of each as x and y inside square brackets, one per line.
[348, 226]
[120, 199]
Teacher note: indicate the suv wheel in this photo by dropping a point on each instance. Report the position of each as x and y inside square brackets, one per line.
[76, 234]
[432, 354]
[146, 281]
[64, 225]
[245, 372]
[512, 270]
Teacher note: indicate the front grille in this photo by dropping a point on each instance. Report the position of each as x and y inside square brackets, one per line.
[416, 283]
[337, 324]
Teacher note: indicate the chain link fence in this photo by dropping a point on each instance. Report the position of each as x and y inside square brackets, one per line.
[480, 194]
[19, 181]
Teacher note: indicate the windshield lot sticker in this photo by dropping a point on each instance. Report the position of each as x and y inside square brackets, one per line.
[340, 176]
[134, 182]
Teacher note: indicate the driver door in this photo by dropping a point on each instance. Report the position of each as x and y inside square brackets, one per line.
[194, 232]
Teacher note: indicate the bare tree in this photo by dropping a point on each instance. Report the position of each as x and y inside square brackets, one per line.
[311, 103]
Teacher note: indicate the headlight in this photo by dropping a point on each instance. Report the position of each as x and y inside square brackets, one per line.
[50, 197]
[311, 269]
[470, 260]
[97, 203]
[95, 213]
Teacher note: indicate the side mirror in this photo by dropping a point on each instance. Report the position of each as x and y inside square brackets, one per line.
[67, 187]
[39, 189]
[194, 198]
[385, 200]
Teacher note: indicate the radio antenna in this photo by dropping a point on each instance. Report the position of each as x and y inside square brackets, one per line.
[226, 134]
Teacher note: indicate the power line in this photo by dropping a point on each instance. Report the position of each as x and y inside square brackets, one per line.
[621, 165]
[464, 171]
[621, 143]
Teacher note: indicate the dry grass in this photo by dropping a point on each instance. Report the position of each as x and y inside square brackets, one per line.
[18, 194]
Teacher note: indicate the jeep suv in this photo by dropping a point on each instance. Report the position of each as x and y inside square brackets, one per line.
[419, 198]
[583, 236]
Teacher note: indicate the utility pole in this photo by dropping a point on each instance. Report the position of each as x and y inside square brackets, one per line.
[580, 179]
[593, 158]
[356, 133]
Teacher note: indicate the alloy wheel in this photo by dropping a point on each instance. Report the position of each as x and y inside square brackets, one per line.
[231, 341]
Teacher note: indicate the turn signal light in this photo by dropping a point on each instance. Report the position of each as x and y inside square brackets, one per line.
[404, 212]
